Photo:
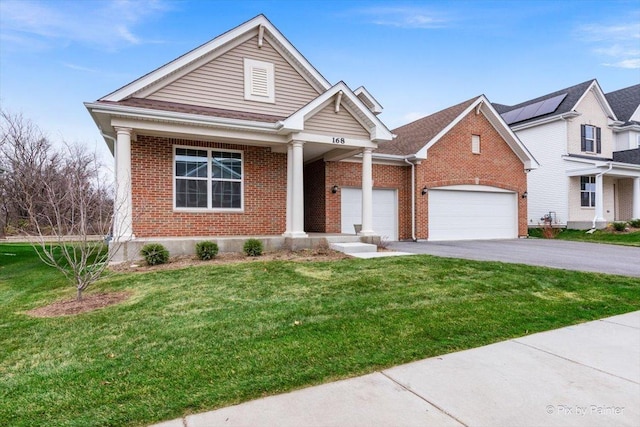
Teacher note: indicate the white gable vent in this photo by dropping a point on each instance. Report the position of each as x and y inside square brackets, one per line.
[258, 81]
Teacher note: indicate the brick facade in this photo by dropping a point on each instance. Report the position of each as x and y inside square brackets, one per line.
[451, 162]
[265, 193]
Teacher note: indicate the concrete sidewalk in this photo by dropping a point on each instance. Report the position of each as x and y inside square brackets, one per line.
[583, 375]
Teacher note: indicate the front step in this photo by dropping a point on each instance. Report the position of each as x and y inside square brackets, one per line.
[353, 247]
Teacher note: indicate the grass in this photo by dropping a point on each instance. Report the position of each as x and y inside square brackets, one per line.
[209, 336]
[598, 236]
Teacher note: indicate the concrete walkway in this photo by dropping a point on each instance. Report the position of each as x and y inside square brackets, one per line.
[583, 375]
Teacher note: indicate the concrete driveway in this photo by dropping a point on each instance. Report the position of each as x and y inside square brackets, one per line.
[593, 257]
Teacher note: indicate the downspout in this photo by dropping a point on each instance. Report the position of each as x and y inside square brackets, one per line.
[600, 175]
[413, 199]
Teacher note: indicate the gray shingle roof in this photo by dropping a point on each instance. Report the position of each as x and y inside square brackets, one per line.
[415, 135]
[574, 93]
[624, 102]
[627, 156]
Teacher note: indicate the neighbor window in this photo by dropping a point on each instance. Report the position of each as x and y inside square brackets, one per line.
[208, 179]
[590, 139]
[588, 191]
[475, 144]
[259, 83]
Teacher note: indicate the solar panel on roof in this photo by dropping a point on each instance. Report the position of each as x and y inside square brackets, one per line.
[550, 105]
[536, 109]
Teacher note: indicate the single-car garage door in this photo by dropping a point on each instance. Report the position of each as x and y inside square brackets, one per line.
[385, 212]
[472, 212]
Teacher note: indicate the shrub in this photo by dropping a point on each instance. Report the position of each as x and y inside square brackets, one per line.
[206, 250]
[253, 247]
[549, 232]
[635, 223]
[619, 225]
[155, 253]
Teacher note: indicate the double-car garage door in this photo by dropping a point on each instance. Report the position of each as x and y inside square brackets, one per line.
[479, 212]
[455, 212]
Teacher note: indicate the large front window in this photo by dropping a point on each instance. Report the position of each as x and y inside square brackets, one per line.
[208, 179]
[588, 191]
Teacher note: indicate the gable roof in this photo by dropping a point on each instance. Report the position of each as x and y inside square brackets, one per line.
[625, 102]
[414, 139]
[378, 130]
[179, 66]
[573, 95]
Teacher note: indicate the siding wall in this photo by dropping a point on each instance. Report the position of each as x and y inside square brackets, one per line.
[220, 83]
[328, 122]
[624, 202]
[580, 213]
[548, 186]
[592, 114]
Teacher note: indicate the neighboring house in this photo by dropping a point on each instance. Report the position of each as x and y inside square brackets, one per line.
[242, 136]
[584, 180]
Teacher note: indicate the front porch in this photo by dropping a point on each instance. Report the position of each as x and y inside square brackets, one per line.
[130, 250]
[603, 190]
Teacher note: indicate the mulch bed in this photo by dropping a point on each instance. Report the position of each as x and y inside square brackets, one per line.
[89, 302]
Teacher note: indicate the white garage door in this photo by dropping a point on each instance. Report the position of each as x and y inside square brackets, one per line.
[385, 212]
[456, 214]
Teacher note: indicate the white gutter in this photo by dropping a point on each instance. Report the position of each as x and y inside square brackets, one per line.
[600, 175]
[568, 115]
[413, 199]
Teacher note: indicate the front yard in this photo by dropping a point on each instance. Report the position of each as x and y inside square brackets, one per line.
[212, 335]
[627, 238]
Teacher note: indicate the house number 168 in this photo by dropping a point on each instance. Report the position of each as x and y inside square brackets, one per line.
[338, 140]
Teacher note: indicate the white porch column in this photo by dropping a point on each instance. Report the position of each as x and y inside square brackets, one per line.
[636, 198]
[287, 230]
[599, 218]
[297, 190]
[367, 194]
[123, 209]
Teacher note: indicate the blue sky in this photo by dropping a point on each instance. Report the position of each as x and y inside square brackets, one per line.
[415, 57]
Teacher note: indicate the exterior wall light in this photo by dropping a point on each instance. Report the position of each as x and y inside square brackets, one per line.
[334, 189]
[424, 190]
[524, 195]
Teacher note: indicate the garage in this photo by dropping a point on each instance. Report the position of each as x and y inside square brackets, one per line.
[472, 212]
[385, 211]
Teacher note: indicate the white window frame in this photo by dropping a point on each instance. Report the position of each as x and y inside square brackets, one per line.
[475, 144]
[592, 140]
[592, 200]
[250, 68]
[209, 180]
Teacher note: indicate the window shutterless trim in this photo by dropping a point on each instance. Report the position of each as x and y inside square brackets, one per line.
[209, 180]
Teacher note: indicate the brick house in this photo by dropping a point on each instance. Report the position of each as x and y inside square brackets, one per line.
[242, 136]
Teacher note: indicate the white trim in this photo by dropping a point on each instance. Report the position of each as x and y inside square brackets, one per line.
[602, 100]
[377, 108]
[255, 83]
[498, 124]
[377, 129]
[209, 179]
[194, 55]
[471, 187]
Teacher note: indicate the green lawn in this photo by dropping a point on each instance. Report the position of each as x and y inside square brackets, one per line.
[599, 236]
[204, 337]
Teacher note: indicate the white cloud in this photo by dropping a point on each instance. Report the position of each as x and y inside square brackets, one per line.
[618, 41]
[626, 63]
[109, 24]
[405, 17]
